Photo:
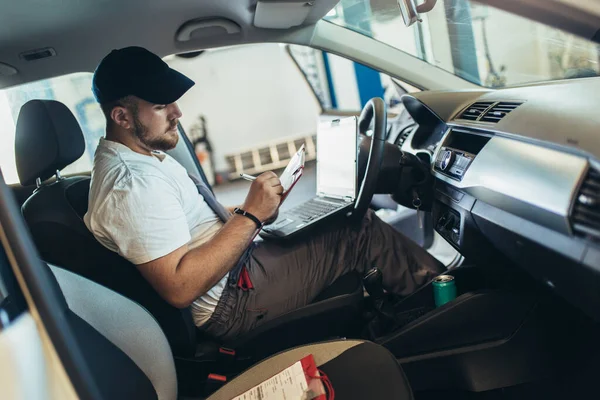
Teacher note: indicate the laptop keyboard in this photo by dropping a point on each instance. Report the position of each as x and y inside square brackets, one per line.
[314, 209]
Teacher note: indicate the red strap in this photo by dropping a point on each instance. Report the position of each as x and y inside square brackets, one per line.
[216, 377]
[309, 366]
[225, 350]
[249, 284]
[244, 281]
[240, 282]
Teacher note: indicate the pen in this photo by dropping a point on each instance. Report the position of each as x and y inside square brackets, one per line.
[248, 177]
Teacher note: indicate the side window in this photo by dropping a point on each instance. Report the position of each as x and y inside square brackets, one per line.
[75, 92]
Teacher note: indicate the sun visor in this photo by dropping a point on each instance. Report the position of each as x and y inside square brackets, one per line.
[281, 14]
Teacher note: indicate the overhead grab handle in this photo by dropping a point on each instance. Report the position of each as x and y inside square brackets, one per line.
[195, 28]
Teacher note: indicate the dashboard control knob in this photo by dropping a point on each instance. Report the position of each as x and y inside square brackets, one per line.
[447, 159]
[442, 221]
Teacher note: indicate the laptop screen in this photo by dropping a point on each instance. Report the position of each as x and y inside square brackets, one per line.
[336, 158]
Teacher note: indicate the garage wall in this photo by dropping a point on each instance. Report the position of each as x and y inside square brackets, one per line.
[249, 95]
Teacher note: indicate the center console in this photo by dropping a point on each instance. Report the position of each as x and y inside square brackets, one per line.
[458, 152]
[448, 225]
[489, 335]
[486, 337]
[452, 206]
[452, 217]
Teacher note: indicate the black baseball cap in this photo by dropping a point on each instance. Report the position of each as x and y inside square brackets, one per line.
[138, 72]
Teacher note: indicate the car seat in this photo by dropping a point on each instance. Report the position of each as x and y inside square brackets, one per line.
[49, 138]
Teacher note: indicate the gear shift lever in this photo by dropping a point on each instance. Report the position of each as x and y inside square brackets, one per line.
[373, 283]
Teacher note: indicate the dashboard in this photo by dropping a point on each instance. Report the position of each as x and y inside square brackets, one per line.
[517, 173]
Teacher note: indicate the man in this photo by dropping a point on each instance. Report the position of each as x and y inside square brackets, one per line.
[144, 206]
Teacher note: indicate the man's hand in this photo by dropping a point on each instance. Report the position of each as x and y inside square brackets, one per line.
[273, 218]
[264, 197]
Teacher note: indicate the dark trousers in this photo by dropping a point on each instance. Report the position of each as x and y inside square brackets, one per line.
[290, 275]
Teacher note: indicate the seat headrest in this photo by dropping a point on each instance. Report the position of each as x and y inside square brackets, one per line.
[47, 139]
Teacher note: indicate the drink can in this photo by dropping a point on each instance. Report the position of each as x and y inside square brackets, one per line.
[444, 289]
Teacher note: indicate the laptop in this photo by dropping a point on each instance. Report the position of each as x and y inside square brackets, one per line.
[337, 154]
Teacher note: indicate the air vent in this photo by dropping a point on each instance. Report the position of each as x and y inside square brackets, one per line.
[499, 111]
[586, 212]
[474, 111]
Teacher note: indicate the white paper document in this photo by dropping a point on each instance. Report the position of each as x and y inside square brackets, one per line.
[293, 171]
[289, 384]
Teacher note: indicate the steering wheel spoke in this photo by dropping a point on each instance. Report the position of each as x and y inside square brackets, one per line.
[374, 112]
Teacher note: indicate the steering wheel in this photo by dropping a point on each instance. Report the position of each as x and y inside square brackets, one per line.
[374, 111]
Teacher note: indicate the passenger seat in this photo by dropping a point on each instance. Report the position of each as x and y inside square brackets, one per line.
[357, 369]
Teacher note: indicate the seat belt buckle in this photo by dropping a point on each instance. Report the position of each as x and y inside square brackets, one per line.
[227, 351]
[226, 359]
[217, 378]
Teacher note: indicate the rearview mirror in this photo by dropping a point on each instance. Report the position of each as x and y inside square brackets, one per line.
[410, 10]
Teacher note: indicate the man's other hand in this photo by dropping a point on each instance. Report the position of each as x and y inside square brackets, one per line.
[264, 197]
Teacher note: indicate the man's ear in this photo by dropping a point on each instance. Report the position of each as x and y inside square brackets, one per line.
[121, 116]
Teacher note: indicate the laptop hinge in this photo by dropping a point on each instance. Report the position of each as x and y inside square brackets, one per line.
[347, 199]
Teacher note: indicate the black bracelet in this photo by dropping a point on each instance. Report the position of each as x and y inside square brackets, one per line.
[246, 214]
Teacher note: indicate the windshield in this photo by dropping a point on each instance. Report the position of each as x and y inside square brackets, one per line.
[479, 43]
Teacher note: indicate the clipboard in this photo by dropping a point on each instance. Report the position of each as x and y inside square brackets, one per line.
[300, 381]
[293, 172]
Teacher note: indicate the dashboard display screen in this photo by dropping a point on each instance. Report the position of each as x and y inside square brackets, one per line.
[469, 142]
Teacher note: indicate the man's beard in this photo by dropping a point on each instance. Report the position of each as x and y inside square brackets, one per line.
[164, 142]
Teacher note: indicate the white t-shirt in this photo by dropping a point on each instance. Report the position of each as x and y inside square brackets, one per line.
[145, 207]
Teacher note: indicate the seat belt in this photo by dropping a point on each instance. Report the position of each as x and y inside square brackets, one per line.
[244, 281]
[211, 200]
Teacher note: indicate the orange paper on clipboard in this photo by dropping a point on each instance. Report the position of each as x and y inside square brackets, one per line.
[300, 381]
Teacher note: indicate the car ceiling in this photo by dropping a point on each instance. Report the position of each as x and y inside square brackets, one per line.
[82, 32]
